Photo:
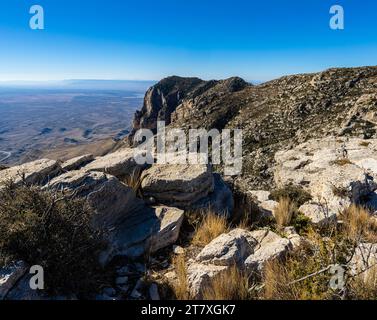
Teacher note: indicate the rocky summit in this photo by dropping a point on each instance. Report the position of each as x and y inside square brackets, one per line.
[309, 177]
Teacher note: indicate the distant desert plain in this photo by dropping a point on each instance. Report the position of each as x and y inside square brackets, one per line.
[60, 123]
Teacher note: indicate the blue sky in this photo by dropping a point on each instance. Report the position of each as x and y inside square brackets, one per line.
[144, 39]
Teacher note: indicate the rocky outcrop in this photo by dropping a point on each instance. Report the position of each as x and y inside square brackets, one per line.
[161, 100]
[133, 228]
[111, 200]
[176, 184]
[36, 172]
[146, 231]
[169, 225]
[76, 163]
[186, 186]
[9, 276]
[336, 172]
[119, 164]
[270, 246]
[248, 250]
[174, 97]
[228, 249]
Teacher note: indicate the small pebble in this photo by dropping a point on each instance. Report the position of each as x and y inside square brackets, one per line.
[178, 250]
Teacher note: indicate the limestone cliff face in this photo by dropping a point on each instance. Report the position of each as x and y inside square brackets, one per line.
[163, 99]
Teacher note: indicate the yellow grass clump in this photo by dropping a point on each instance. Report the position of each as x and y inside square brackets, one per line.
[180, 286]
[284, 212]
[232, 284]
[358, 224]
[210, 227]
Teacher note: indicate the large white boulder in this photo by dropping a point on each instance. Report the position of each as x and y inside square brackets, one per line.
[179, 185]
[119, 164]
[228, 249]
[133, 228]
[270, 246]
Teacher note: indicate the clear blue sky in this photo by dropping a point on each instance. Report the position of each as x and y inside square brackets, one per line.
[145, 39]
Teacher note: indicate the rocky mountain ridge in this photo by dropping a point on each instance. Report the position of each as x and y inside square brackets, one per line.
[313, 131]
[273, 115]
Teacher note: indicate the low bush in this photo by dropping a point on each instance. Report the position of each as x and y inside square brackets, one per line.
[295, 193]
[53, 231]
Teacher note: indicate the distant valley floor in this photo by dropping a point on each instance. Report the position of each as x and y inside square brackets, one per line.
[61, 123]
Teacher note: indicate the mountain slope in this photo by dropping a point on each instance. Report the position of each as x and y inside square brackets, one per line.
[274, 115]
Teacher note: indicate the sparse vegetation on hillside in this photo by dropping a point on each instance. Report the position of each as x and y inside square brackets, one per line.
[358, 225]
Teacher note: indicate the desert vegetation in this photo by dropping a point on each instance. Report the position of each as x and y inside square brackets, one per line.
[305, 273]
[54, 231]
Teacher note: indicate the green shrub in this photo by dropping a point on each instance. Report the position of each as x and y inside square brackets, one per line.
[296, 193]
[42, 228]
[301, 223]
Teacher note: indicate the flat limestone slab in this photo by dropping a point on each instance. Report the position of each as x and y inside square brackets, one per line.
[36, 172]
[119, 164]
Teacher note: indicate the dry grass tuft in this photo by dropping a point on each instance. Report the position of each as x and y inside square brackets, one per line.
[180, 287]
[358, 225]
[134, 180]
[230, 285]
[284, 212]
[211, 227]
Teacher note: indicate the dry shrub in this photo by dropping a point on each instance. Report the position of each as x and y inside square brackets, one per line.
[358, 225]
[341, 162]
[230, 285]
[280, 278]
[42, 228]
[210, 227]
[295, 193]
[364, 143]
[284, 212]
[180, 286]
